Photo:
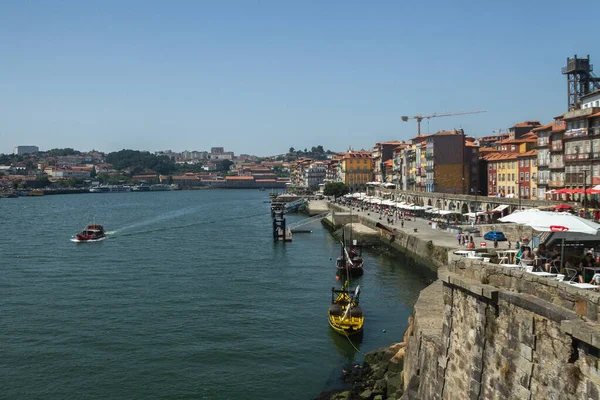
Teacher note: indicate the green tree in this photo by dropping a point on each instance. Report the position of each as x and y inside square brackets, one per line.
[336, 189]
[226, 164]
[291, 150]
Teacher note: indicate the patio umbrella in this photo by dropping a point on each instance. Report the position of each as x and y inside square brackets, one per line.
[562, 207]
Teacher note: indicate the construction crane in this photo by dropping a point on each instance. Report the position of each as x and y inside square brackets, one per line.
[420, 117]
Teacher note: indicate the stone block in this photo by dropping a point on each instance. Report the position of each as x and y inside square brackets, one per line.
[526, 352]
[366, 394]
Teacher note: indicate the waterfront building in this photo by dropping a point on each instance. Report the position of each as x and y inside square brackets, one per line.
[557, 166]
[332, 172]
[528, 174]
[356, 169]
[581, 142]
[20, 150]
[522, 128]
[382, 152]
[452, 163]
[543, 162]
[314, 175]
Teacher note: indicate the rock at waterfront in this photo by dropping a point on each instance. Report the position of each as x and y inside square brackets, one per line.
[366, 394]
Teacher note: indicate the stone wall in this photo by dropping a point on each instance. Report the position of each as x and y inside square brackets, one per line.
[503, 334]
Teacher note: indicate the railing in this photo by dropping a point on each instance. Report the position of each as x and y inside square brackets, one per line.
[543, 163]
[576, 132]
[542, 142]
[594, 131]
[557, 164]
[543, 181]
[575, 157]
[556, 183]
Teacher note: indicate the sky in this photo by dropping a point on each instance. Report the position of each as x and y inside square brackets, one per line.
[259, 77]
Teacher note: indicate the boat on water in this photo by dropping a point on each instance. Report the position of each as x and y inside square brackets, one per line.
[345, 314]
[140, 188]
[349, 262]
[110, 189]
[91, 233]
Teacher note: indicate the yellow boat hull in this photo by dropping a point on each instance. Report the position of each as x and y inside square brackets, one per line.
[348, 327]
[352, 324]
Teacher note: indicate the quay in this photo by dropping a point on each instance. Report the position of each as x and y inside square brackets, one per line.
[481, 330]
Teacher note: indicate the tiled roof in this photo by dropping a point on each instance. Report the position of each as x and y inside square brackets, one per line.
[543, 128]
[488, 149]
[239, 178]
[526, 124]
[389, 163]
[595, 115]
[452, 132]
[529, 153]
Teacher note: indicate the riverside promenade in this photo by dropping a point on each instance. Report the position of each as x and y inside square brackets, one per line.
[437, 236]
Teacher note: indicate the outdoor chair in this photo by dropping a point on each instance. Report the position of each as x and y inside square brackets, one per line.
[555, 265]
[571, 274]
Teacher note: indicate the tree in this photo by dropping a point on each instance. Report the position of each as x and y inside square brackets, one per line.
[291, 150]
[226, 164]
[336, 189]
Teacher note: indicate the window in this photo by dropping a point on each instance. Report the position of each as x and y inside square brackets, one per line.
[521, 177]
[513, 177]
[526, 176]
[533, 192]
[512, 148]
[521, 163]
[526, 163]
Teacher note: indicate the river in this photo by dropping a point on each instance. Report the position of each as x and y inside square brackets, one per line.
[187, 298]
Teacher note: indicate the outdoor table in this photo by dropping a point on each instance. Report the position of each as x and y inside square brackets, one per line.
[511, 266]
[543, 274]
[584, 285]
[463, 253]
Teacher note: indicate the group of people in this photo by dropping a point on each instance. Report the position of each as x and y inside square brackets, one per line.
[465, 240]
[543, 260]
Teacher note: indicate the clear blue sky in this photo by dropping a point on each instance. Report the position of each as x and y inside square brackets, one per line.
[261, 76]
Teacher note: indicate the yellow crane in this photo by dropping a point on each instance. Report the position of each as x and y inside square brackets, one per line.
[420, 117]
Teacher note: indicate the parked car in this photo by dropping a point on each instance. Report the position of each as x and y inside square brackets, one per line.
[495, 235]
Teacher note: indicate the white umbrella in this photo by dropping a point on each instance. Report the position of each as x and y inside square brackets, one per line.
[545, 221]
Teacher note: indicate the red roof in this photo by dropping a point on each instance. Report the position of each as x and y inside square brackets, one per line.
[239, 178]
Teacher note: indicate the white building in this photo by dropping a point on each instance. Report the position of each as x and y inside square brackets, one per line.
[314, 175]
[591, 100]
[20, 150]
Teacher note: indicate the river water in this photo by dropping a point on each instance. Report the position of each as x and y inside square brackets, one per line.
[187, 298]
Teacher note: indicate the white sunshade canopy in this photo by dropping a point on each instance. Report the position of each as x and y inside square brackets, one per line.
[500, 208]
[546, 221]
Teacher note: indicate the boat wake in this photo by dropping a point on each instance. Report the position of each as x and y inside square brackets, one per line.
[75, 240]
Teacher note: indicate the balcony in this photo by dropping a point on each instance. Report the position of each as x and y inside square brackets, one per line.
[556, 146]
[579, 132]
[557, 164]
[578, 179]
[429, 155]
[543, 163]
[543, 181]
[576, 157]
[595, 131]
[556, 183]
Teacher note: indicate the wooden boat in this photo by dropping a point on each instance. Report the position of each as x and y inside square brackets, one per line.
[92, 233]
[349, 261]
[345, 314]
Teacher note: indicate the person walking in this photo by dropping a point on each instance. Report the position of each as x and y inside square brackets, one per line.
[459, 237]
[402, 223]
[495, 243]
